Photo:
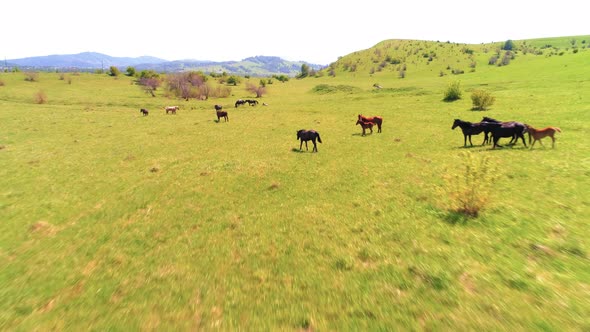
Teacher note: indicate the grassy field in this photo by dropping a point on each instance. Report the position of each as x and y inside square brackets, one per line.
[115, 221]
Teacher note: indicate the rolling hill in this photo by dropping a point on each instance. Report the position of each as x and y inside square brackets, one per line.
[89, 61]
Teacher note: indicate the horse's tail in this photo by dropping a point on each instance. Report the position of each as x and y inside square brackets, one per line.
[319, 138]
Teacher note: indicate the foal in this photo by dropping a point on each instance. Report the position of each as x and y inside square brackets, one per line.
[537, 134]
[365, 125]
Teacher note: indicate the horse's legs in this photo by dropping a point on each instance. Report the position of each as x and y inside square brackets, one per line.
[552, 142]
[534, 141]
[522, 138]
[464, 140]
[306, 148]
[378, 127]
[300, 145]
[371, 129]
[315, 147]
[470, 140]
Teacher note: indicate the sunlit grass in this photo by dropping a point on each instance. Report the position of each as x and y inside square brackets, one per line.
[113, 220]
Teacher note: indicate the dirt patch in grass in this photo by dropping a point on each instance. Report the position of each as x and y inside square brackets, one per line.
[43, 228]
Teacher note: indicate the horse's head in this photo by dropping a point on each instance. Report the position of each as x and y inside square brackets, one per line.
[299, 133]
[456, 123]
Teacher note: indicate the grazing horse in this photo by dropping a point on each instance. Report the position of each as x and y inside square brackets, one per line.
[375, 119]
[251, 102]
[500, 130]
[468, 129]
[365, 125]
[537, 134]
[222, 114]
[240, 102]
[172, 109]
[218, 107]
[144, 111]
[308, 135]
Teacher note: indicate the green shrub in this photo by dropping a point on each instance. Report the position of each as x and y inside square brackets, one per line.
[467, 186]
[453, 91]
[482, 99]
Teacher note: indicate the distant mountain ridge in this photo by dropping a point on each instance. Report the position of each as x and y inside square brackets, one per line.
[255, 66]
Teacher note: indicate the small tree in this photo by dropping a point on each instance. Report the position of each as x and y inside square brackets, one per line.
[233, 80]
[481, 100]
[453, 92]
[130, 71]
[149, 84]
[113, 71]
[304, 71]
[508, 45]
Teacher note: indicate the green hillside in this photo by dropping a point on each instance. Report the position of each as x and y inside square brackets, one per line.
[111, 220]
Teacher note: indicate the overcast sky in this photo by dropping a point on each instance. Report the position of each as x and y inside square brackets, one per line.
[314, 31]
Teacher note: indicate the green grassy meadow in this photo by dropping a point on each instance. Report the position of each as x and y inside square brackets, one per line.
[114, 221]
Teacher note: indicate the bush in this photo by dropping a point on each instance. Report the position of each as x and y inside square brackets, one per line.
[130, 71]
[40, 97]
[31, 76]
[113, 71]
[481, 99]
[468, 187]
[453, 91]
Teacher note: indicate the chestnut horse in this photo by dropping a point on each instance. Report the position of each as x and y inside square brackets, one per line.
[537, 134]
[365, 125]
[375, 119]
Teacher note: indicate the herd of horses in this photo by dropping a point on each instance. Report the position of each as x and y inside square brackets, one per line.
[494, 130]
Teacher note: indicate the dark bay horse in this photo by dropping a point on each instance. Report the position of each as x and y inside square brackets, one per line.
[144, 111]
[365, 125]
[469, 128]
[218, 107]
[222, 114]
[499, 130]
[251, 102]
[506, 123]
[375, 119]
[308, 135]
[240, 102]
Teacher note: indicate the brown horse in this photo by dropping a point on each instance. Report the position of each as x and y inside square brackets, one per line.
[375, 119]
[222, 114]
[171, 109]
[365, 125]
[144, 111]
[538, 134]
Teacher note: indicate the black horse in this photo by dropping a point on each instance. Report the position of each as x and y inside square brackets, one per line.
[222, 114]
[499, 130]
[251, 102]
[240, 102]
[144, 111]
[469, 128]
[506, 123]
[308, 135]
[218, 107]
